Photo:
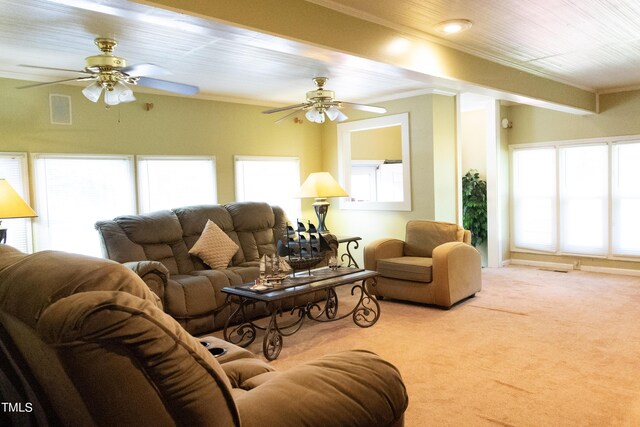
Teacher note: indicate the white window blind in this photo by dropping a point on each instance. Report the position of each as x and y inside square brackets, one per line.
[75, 191]
[625, 199]
[584, 202]
[13, 168]
[275, 180]
[534, 199]
[170, 182]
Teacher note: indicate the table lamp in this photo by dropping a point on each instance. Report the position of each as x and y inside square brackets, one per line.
[11, 206]
[321, 185]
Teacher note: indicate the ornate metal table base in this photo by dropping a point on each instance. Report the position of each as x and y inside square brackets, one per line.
[351, 261]
[241, 331]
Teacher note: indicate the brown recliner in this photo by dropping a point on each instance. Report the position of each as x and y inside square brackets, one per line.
[96, 348]
[435, 264]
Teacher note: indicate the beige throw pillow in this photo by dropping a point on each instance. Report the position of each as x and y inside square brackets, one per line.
[214, 247]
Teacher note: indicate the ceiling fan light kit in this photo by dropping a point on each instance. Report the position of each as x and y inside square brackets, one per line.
[321, 103]
[110, 73]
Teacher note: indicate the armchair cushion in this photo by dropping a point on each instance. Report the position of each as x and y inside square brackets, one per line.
[214, 247]
[416, 269]
[422, 237]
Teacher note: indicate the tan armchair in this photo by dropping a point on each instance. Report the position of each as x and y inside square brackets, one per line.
[435, 264]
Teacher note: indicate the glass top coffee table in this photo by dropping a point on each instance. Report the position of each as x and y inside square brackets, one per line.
[241, 330]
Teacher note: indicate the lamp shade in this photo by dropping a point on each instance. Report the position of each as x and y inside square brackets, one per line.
[321, 185]
[11, 204]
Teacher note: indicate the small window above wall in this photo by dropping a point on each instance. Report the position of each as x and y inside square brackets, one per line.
[274, 180]
[374, 163]
[166, 182]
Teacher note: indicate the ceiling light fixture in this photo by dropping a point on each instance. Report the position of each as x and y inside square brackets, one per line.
[321, 104]
[453, 26]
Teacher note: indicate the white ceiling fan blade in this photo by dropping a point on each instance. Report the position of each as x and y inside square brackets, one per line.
[56, 69]
[180, 88]
[293, 113]
[288, 107]
[145, 70]
[57, 81]
[363, 107]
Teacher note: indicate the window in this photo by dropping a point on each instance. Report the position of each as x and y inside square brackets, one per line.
[13, 168]
[376, 180]
[534, 199]
[75, 191]
[584, 203]
[625, 198]
[169, 182]
[275, 180]
[595, 208]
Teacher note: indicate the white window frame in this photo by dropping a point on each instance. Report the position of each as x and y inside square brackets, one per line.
[23, 191]
[239, 193]
[533, 247]
[610, 142]
[615, 198]
[142, 197]
[41, 195]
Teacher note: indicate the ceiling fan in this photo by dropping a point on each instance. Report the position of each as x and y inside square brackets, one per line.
[110, 73]
[321, 102]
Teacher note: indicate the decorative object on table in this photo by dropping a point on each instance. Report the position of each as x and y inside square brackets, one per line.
[305, 247]
[333, 263]
[273, 269]
[321, 185]
[11, 206]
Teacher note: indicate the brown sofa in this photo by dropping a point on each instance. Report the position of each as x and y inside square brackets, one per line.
[84, 342]
[435, 264]
[156, 246]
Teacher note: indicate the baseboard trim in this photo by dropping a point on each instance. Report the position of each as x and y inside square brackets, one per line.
[563, 266]
[543, 264]
[610, 270]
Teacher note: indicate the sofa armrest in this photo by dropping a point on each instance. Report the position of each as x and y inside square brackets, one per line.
[349, 388]
[457, 272]
[153, 273]
[381, 249]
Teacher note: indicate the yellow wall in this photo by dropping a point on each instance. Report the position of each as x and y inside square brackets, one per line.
[445, 168]
[377, 144]
[175, 126]
[473, 141]
[619, 115]
[428, 142]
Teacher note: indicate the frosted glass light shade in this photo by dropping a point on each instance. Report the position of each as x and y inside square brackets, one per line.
[119, 93]
[315, 116]
[93, 91]
[335, 114]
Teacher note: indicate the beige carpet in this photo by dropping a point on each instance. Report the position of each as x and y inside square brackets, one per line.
[534, 348]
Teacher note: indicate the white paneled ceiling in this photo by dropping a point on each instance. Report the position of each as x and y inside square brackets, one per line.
[593, 44]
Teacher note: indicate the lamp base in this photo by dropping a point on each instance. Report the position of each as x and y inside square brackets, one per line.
[321, 206]
[3, 235]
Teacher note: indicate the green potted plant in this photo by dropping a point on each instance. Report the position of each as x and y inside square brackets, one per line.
[474, 206]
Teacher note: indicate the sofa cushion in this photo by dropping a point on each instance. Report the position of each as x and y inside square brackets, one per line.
[422, 237]
[415, 269]
[160, 236]
[254, 223]
[214, 247]
[193, 220]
